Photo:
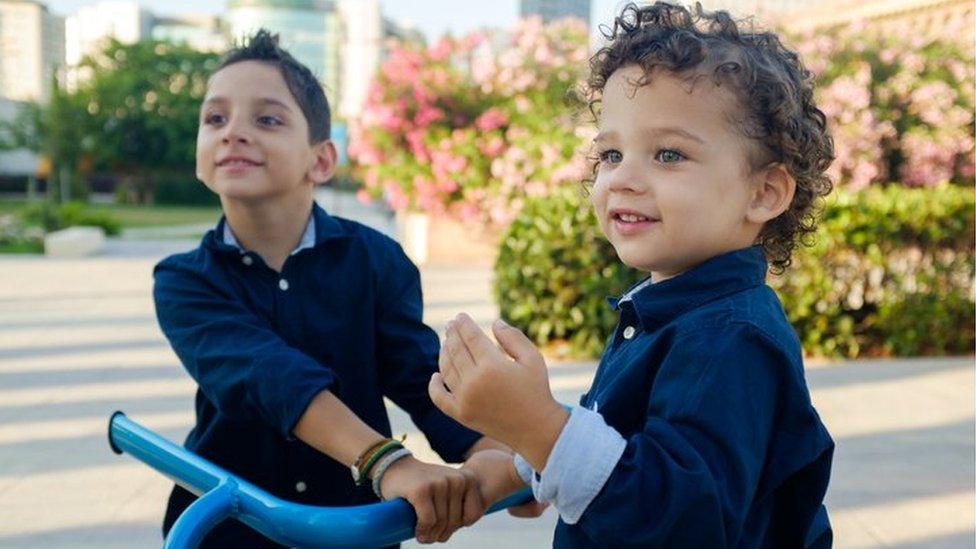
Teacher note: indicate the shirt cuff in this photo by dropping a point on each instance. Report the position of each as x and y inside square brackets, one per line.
[579, 464]
[523, 469]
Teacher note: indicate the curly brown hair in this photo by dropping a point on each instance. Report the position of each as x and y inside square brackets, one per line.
[774, 89]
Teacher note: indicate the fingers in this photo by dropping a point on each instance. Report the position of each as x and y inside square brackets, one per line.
[477, 343]
[441, 492]
[440, 396]
[423, 506]
[528, 510]
[474, 502]
[459, 357]
[515, 343]
[446, 367]
[457, 486]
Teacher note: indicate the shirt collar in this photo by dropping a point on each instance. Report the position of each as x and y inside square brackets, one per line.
[320, 228]
[307, 241]
[659, 303]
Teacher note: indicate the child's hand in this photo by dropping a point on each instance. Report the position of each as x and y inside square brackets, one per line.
[507, 400]
[443, 498]
[495, 473]
[498, 478]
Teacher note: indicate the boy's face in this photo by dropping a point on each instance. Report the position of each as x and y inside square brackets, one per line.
[673, 187]
[252, 143]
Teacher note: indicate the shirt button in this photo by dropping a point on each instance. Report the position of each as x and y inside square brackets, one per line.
[283, 284]
[300, 486]
[629, 332]
[247, 260]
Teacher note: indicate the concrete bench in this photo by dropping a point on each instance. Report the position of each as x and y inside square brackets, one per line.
[74, 242]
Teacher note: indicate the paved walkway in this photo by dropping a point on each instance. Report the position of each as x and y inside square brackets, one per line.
[78, 340]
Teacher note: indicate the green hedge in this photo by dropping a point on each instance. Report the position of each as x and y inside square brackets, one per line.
[53, 217]
[891, 272]
[180, 189]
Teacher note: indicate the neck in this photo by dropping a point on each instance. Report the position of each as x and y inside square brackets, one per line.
[270, 228]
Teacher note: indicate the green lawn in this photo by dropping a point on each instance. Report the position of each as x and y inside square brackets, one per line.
[140, 216]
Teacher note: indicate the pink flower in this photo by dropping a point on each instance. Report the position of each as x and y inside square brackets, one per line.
[441, 50]
[491, 119]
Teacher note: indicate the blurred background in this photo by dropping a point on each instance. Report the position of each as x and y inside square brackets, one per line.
[462, 133]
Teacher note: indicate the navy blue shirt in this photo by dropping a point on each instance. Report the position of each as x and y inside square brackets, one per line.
[703, 377]
[344, 315]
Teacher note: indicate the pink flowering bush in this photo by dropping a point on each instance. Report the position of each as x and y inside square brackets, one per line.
[471, 127]
[900, 109]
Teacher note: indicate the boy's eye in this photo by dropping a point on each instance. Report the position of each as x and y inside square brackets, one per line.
[213, 119]
[668, 156]
[269, 121]
[613, 156]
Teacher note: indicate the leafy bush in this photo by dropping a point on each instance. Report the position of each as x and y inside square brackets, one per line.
[183, 190]
[470, 127]
[891, 273]
[54, 217]
[15, 237]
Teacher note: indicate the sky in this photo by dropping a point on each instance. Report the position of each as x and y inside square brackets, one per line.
[432, 17]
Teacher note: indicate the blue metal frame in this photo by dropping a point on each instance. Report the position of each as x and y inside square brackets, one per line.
[224, 495]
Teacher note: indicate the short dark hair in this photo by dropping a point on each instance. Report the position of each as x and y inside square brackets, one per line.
[304, 87]
[774, 89]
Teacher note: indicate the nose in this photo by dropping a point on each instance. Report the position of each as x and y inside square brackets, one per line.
[626, 177]
[235, 131]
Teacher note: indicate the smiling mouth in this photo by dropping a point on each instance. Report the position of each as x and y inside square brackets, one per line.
[237, 163]
[632, 218]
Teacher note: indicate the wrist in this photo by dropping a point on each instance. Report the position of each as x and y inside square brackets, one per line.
[538, 441]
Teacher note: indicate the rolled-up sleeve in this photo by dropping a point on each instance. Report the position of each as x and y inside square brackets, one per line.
[240, 364]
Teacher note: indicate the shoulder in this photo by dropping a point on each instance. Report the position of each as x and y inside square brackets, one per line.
[382, 251]
[754, 315]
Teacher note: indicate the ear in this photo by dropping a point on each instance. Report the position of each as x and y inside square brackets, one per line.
[773, 194]
[324, 158]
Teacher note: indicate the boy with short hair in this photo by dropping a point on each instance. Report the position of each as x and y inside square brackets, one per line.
[698, 430]
[295, 324]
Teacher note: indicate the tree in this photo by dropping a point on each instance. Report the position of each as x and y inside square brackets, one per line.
[134, 113]
[143, 103]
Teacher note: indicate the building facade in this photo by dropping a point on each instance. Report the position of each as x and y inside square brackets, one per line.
[309, 29]
[31, 50]
[200, 32]
[550, 10]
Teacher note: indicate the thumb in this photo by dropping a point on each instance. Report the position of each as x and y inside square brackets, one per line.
[516, 344]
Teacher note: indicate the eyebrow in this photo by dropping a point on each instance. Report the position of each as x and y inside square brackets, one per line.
[262, 100]
[666, 130]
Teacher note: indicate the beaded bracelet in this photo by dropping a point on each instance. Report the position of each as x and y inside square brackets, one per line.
[383, 465]
[365, 469]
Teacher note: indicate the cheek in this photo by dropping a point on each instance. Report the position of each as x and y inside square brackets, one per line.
[204, 155]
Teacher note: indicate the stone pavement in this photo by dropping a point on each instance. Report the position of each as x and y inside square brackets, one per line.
[78, 340]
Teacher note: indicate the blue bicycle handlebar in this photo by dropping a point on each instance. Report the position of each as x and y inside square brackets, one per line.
[224, 495]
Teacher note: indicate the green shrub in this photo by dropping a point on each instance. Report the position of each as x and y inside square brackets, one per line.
[15, 237]
[891, 272]
[54, 217]
[183, 190]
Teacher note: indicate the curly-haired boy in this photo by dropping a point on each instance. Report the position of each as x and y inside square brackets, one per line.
[698, 430]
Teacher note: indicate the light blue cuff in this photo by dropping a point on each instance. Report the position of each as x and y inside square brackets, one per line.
[523, 469]
[579, 464]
